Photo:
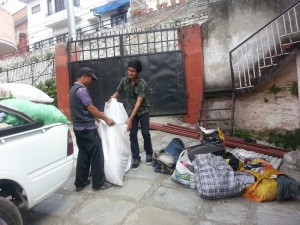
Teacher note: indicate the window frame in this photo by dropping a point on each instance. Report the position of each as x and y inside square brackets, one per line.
[35, 9]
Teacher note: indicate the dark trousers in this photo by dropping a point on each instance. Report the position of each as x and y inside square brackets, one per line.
[90, 155]
[144, 121]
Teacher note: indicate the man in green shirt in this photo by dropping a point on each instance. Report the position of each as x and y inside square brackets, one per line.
[137, 107]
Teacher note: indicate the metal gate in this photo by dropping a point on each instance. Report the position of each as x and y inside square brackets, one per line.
[161, 53]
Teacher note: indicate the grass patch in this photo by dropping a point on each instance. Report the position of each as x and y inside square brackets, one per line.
[285, 139]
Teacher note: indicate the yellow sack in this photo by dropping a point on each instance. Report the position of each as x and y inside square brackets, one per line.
[265, 188]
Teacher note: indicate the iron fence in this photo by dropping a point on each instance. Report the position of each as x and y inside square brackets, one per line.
[33, 74]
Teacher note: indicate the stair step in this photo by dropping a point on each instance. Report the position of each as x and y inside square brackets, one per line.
[289, 45]
[215, 119]
[276, 56]
[220, 102]
[216, 99]
[220, 109]
[267, 66]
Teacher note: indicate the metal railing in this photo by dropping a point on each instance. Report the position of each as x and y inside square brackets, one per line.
[138, 43]
[33, 73]
[265, 49]
[38, 45]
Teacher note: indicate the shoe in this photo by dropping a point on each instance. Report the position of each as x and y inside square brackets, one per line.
[86, 183]
[106, 185]
[135, 164]
[149, 159]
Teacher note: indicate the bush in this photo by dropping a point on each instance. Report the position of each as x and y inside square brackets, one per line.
[49, 87]
[285, 139]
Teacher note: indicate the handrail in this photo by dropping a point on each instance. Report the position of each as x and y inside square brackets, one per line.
[266, 50]
[265, 26]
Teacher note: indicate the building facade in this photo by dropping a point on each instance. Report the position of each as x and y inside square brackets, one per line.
[7, 37]
[48, 19]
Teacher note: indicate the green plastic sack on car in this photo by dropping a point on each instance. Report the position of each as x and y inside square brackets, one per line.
[39, 112]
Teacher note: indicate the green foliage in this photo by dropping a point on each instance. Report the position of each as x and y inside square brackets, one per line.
[244, 134]
[49, 55]
[285, 139]
[49, 87]
[294, 88]
[274, 89]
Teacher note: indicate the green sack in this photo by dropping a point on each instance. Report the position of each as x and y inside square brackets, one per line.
[47, 114]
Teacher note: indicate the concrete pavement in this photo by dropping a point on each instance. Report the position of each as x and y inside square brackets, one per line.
[150, 198]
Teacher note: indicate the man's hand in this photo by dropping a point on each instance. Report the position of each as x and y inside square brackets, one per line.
[109, 121]
[115, 95]
[129, 124]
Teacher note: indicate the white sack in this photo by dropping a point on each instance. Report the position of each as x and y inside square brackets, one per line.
[25, 92]
[115, 143]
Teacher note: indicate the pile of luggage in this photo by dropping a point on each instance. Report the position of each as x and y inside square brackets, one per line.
[216, 173]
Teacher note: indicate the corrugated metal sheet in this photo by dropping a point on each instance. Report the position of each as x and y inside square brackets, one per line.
[242, 154]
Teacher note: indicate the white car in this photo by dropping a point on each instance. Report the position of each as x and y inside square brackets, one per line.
[35, 161]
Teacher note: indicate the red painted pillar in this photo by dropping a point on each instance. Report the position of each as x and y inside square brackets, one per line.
[194, 71]
[62, 79]
[22, 42]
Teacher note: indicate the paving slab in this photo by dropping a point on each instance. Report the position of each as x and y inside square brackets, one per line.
[181, 199]
[151, 198]
[101, 210]
[149, 215]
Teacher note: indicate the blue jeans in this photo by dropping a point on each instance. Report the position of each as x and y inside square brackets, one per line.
[144, 121]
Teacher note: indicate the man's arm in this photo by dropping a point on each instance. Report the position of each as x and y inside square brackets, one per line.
[116, 95]
[98, 114]
[134, 112]
[119, 90]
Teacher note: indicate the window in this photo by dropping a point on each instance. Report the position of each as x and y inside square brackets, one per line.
[36, 9]
[76, 2]
[118, 18]
[49, 6]
[59, 5]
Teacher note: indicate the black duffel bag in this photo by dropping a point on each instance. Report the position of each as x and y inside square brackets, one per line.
[205, 148]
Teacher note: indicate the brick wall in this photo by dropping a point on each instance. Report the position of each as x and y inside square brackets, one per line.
[21, 22]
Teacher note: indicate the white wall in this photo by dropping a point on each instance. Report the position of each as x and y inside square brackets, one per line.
[229, 23]
[263, 110]
[36, 29]
[12, 6]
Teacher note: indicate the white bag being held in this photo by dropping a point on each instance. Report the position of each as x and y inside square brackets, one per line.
[115, 143]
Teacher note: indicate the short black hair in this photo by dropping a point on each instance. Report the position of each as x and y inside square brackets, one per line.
[136, 64]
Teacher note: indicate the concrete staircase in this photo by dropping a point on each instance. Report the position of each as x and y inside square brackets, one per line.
[266, 51]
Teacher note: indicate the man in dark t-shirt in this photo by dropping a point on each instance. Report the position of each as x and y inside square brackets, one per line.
[90, 153]
[137, 106]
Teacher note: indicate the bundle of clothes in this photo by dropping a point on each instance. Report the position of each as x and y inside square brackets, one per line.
[216, 173]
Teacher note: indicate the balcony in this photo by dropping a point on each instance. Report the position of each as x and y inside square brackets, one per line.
[60, 18]
[7, 38]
